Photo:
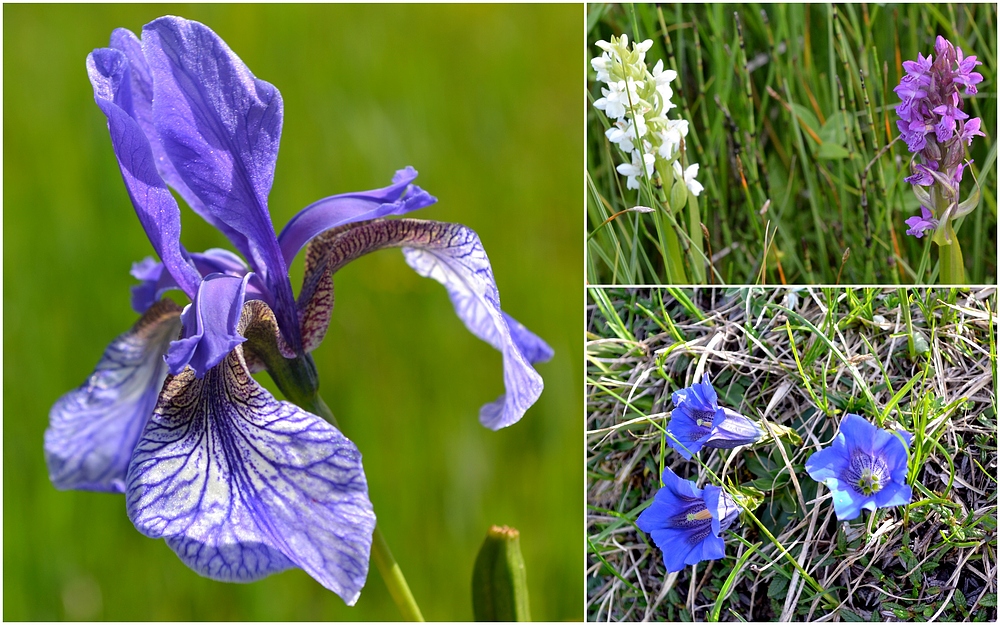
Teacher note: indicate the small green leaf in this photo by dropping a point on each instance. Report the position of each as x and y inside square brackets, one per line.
[499, 581]
[832, 151]
[807, 119]
[778, 588]
[850, 616]
[747, 497]
[989, 600]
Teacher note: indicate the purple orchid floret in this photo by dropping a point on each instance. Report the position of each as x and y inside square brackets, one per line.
[937, 130]
[922, 224]
[686, 522]
[864, 467]
[240, 484]
[698, 421]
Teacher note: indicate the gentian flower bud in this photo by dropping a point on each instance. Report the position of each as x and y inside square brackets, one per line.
[697, 421]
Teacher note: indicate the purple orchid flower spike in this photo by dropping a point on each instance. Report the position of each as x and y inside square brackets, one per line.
[240, 484]
[937, 131]
[864, 467]
[697, 421]
[686, 522]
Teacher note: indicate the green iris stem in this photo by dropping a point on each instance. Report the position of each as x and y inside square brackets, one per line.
[387, 566]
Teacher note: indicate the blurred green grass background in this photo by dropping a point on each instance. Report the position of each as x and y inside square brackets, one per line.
[484, 102]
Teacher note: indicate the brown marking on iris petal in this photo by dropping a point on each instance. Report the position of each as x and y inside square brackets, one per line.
[259, 326]
[331, 250]
[156, 314]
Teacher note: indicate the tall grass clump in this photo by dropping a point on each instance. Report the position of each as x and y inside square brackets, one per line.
[792, 118]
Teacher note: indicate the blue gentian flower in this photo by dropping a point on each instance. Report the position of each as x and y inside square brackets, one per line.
[697, 421]
[864, 467]
[686, 522]
[240, 484]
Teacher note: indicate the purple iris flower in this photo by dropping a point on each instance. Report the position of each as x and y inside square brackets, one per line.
[697, 421]
[240, 484]
[864, 467]
[686, 522]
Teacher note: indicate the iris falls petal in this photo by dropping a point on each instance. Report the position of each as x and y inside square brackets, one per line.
[94, 428]
[453, 255]
[242, 485]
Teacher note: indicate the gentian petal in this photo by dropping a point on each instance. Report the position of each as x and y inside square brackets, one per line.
[399, 198]
[210, 324]
[894, 494]
[732, 431]
[220, 127]
[857, 433]
[94, 428]
[721, 506]
[696, 410]
[846, 503]
[155, 206]
[243, 485]
[453, 255]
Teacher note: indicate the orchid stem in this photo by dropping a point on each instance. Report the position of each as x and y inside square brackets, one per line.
[952, 263]
[387, 566]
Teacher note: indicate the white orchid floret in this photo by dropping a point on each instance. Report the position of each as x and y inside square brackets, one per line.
[688, 175]
[662, 77]
[623, 132]
[602, 65]
[641, 49]
[619, 97]
[634, 170]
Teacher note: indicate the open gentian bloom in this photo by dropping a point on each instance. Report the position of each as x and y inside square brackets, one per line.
[697, 421]
[240, 484]
[864, 467]
[686, 522]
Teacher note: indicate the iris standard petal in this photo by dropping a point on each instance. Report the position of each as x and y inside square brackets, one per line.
[399, 198]
[93, 429]
[220, 127]
[155, 206]
[210, 324]
[142, 102]
[242, 485]
[453, 255]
